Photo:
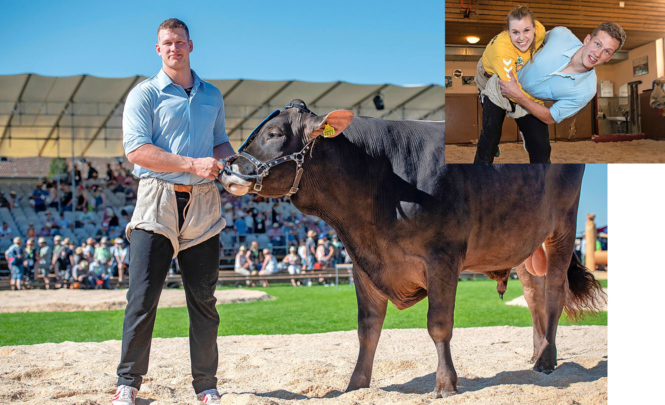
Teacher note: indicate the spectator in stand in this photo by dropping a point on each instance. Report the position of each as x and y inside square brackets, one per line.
[110, 221]
[4, 202]
[242, 265]
[310, 248]
[15, 256]
[293, 264]
[275, 235]
[103, 252]
[99, 198]
[92, 172]
[37, 201]
[254, 256]
[5, 230]
[119, 177]
[109, 173]
[260, 223]
[249, 222]
[14, 200]
[228, 213]
[80, 275]
[44, 261]
[121, 255]
[240, 227]
[275, 217]
[130, 195]
[269, 266]
[81, 198]
[337, 255]
[63, 223]
[90, 246]
[86, 217]
[98, 275]
[289, 234]
[77, 174]
[51, 197]
[66, 201]
[31, 232]
[30, 260]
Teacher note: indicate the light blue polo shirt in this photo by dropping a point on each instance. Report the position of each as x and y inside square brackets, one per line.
[542, 78]
[159, 112]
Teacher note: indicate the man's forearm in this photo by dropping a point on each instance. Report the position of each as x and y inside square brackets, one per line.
[157, 159]
[539, 111]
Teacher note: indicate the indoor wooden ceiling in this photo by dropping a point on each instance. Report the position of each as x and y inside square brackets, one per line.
[643, 21]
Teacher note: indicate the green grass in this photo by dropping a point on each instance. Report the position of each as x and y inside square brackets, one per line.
[294, 310]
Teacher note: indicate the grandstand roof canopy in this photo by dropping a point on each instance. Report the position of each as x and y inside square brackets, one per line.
[40, 115]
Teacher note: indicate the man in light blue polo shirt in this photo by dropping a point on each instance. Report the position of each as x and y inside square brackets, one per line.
[561, 71]
[174, 134]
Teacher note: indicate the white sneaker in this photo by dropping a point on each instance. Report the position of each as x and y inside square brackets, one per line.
[125, 395]
[209, 397]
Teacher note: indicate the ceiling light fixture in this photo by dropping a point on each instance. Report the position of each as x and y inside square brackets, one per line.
[472, 40]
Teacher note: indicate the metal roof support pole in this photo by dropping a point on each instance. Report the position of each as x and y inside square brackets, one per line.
[73, 167]
[62, 114]
[325, 93]
[109, 116]
[257, 109]
[17, 105]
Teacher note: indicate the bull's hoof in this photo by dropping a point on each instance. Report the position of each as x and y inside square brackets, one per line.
[541, 367]
[442, 394]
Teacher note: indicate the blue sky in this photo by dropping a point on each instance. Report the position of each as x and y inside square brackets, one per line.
[367, 42]
[593, 199]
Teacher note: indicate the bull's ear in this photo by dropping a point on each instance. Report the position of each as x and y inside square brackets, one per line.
[333, 124]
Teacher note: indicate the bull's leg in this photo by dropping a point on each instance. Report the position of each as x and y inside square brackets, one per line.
[371, 313]
[559, 248]
[533, 288]
[441, 289]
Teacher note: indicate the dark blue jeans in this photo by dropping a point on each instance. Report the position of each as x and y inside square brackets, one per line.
[150, 258]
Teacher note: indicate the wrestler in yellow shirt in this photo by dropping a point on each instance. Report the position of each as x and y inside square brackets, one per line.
[501, 56]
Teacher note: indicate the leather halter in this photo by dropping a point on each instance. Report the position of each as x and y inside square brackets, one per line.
[263, 168]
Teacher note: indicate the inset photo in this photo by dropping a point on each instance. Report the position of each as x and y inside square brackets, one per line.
[539, 83]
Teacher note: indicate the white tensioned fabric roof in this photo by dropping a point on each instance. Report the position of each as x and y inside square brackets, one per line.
[39, 115]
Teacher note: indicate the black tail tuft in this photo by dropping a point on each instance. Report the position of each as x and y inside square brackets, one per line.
[586, 293]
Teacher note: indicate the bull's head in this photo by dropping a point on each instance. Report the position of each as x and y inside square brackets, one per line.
[279, 146]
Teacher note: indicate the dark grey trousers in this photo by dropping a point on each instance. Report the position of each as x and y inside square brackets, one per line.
[150, 257]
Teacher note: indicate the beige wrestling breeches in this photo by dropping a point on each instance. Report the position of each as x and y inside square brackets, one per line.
[157, 211]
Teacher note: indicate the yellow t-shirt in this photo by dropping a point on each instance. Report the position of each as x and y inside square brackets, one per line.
[501, 56]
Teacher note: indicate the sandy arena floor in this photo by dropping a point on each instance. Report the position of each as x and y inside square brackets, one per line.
[492, 364]
[639, 151]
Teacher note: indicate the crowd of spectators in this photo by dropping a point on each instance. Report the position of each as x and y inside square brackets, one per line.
[63, 264]
[280, 238]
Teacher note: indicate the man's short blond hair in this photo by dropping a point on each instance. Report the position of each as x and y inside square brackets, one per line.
[171, 24]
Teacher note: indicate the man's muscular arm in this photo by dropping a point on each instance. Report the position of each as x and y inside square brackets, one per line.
[158, 160]
[512, 90]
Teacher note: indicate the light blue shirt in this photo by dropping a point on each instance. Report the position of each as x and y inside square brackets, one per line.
[159, 112]
[542, 77]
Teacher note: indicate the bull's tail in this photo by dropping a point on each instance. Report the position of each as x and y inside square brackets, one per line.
[585, 292]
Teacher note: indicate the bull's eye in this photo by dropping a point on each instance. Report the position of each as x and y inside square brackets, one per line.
[274, 135]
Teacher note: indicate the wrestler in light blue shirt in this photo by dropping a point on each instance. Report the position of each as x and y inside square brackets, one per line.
[159, 112]
[542, 78]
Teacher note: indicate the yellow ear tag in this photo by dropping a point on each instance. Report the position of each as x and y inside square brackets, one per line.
[328, 131]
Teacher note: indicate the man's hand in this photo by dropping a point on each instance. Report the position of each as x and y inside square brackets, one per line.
[510, 88]
[208, 168]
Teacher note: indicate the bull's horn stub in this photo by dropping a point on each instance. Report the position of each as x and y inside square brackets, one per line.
[328, 131]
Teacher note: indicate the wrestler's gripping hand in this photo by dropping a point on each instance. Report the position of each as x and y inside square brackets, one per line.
[510, 88]
[208, 168]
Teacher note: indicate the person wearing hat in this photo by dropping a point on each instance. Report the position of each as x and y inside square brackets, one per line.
[293, 264]
[310, 248]
[242, 265]
[15, 255]
[44, 257]
[14, 200]
[80, 274]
